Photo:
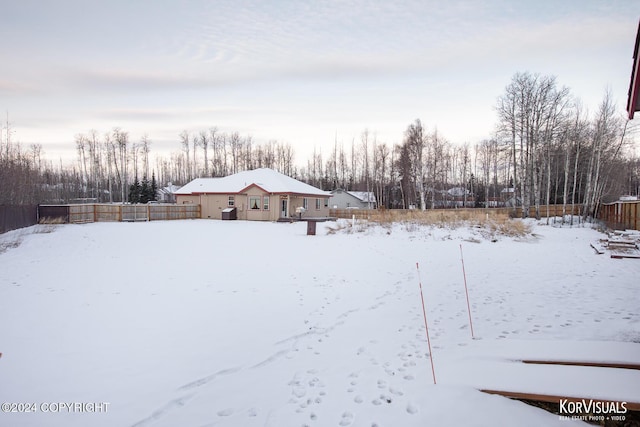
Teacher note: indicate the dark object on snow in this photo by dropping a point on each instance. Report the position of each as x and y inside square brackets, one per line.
[229, 213]
[311, 227]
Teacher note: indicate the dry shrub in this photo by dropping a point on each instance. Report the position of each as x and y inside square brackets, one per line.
[51, 220]
[340, 226]
[493, 224]
[488, 224]
[510, 227]
[9, 244]
[45, 228]
[349, 227]
[48, 225]
[437, 217]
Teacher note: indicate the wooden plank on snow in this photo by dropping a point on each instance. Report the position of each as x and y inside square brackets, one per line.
[580, 363]
[620, 255]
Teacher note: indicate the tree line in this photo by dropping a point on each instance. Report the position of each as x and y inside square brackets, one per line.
[546, 149]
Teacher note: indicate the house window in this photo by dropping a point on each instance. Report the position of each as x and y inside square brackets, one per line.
[318, 204]
[232, 201]
[305, 203]
[326, 203]
[254, 202]
[265, 203]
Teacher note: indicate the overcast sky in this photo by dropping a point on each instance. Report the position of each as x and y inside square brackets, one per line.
[299, 72]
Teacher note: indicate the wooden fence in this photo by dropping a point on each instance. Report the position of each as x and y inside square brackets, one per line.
[621, 214]
[463, 213]
[13, 217]
[77, 214]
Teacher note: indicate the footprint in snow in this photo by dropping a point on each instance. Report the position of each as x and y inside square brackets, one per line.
[347, 419]
[225, 412]
[412, 408]
[396, 391]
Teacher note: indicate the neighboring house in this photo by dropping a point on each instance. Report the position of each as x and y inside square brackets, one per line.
[343, 199]
[459, 197]
[167, 194]
[456, 197]
[508, 196]
[257, 195]
[493, 202]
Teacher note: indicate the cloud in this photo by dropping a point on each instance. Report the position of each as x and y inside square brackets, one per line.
[18, 88]
[140, 80]
[163, 115]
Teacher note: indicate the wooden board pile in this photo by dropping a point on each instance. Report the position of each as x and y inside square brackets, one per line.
[620, 244]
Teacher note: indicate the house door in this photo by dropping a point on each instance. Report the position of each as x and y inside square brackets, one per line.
[283, 208]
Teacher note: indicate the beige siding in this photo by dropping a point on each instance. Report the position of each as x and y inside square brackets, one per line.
[182, 200]
[213, 204]
[312, 212]
[254, 205]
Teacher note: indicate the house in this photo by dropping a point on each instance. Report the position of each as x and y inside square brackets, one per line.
[167, 194]
[460, 197]
[343, 199]
[257, 195]
[509, 198]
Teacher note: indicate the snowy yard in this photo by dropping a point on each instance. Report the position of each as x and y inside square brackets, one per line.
[234, 323]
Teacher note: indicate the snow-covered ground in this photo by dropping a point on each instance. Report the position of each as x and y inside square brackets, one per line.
[233, 323]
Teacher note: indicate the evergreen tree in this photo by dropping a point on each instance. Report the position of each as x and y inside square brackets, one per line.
[145, 191]
[134, 192]
[154, 187]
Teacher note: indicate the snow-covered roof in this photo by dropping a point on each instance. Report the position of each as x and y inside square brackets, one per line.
[458, 191]
[169, 189]
[267, 179]
[364, 196]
